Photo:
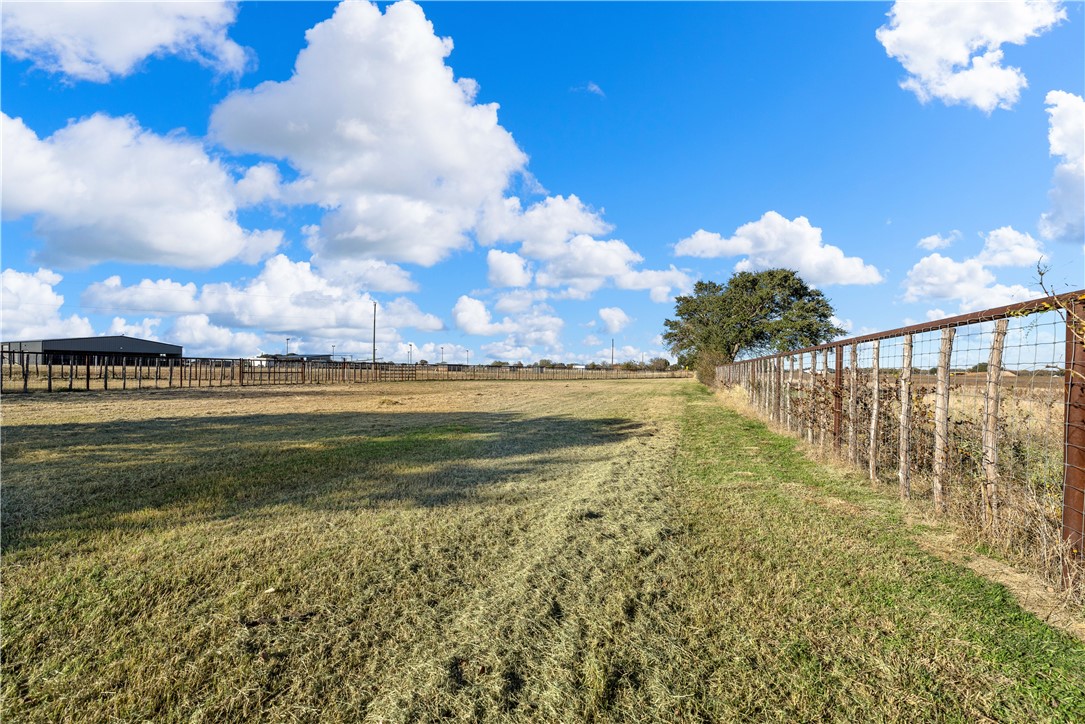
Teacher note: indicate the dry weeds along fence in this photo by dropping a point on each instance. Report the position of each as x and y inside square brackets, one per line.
[25, 372]
[983, 413]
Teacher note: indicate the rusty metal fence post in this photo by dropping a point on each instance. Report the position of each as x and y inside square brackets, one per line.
[1073, 482]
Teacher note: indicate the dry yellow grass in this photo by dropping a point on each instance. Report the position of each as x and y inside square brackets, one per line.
[581, 551]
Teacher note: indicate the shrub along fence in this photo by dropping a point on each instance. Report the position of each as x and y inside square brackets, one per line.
[25, 372]
[983, 413]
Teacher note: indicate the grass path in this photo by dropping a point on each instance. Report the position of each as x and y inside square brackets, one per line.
[809, 599]
[590, 551]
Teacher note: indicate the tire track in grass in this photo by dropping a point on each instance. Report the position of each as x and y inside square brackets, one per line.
[549, 635]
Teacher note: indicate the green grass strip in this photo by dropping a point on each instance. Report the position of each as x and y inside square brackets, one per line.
[806, 598]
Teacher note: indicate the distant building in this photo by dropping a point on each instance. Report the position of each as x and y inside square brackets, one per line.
[87, 349]
[273, 358]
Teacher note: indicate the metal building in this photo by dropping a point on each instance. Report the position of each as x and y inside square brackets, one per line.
[81, 350]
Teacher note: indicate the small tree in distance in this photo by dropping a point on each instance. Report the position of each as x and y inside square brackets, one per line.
[658, 364]
[754, 313]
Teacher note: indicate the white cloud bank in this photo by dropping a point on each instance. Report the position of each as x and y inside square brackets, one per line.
[287, 297]
[971, 282]
[1066, 136]
[105, 189]
[97, 41]
[952, 51]
[775, 241]
[536, 326]
[30, 308]
[559, 233]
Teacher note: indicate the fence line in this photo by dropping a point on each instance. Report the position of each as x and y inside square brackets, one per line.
[26, 372]
[984, 413]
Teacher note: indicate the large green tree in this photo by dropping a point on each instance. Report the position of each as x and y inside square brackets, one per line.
[753, 313]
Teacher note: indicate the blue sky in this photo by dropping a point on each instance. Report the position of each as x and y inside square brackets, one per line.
[525, 180]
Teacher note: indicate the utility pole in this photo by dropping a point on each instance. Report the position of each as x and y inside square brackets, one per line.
[333, 352]
[410, 353]
[611, 351]
[468, 358]
[442, 354]
[288, 345]
[374, 335]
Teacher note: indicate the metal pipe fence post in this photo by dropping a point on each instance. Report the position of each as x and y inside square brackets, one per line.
[1073, 482]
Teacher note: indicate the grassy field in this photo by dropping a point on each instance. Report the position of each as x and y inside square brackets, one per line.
[581, 551]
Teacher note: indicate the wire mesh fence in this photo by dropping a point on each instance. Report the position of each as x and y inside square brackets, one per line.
[982, 414]
[29, 372]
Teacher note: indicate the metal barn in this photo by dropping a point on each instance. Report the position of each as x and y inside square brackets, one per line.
[83, 350]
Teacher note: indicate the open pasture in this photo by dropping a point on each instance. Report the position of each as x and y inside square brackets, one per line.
[554, 551]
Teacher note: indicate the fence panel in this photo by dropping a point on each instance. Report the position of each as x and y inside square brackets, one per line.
[28, 372]
[982, 414]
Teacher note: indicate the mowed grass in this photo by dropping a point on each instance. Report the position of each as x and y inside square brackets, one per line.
[582, 551]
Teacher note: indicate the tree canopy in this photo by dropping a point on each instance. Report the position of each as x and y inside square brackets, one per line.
[753, 313]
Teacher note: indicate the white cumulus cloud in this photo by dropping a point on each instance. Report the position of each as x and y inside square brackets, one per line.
[105, 189]
[937, 241]
[507, 350]
[614, 318]
[286, 298]
[161, 296]
[1008, 247]
[201, 338]
[472, 316]
[372, 275]
[507, 269]
[952, 51]
[381, 134]
[583, 264]
[543, 227]
[1066, 136]
[519, 300]
[145, 329]
[971, 282]
[536, 328]
[662, 284]
[97, 41]
[774, 241]
[31, 308]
